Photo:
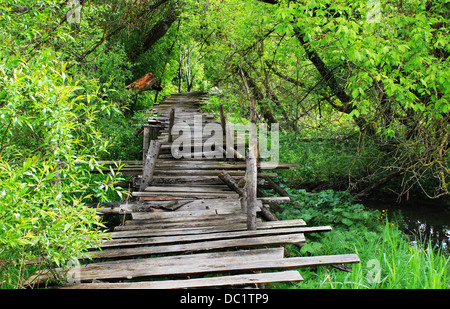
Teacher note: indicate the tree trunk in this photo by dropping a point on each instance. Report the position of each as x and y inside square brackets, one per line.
[159, 29]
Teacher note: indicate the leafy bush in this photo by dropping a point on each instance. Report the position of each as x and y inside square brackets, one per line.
[329, 207]
[49, 142]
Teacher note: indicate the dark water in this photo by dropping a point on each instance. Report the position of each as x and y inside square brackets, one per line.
[422, 220]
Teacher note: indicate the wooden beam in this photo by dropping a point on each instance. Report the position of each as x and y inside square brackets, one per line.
[150, 163]
[233, 185]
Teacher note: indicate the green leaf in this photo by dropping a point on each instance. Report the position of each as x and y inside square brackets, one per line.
[347, 222]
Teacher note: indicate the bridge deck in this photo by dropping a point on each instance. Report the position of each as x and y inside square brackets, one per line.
[187, 224]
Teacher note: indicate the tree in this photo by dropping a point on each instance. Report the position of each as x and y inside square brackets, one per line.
[398, 94]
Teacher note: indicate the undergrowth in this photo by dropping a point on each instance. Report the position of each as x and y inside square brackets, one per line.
[388, 259]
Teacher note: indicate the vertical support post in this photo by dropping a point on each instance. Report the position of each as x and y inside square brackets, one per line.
[150, 163]
[171, 122]
[251, 190]
[253, 141]
[145, 142]
[252, 169]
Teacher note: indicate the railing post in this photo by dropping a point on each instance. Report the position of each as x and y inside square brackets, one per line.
[145, 142]
[251, 190]
[150, 163]
[252, 169]
[171, 122]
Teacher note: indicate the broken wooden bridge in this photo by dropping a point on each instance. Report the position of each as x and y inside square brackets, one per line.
[198, 221]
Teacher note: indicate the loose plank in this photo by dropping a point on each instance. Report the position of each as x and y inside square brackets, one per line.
[108, 269]
[284, 276]
[140, 268]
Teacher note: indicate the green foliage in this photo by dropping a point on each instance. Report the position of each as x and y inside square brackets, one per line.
[49, 143]
[389, 58]
[329, 207]
[325, 161]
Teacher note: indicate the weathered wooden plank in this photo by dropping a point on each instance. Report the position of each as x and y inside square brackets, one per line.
[221, 205]
[275, 199]
[139, 268]
[111, 269]
[221, 165]
[210, 221]
[201, 246]
[164, 171]
[181, 215]
[224, 194]
[202, 173]
[139, 241]
[186, 188]
[191, 217]
[233, 280]
[206, 229]
[180, 230]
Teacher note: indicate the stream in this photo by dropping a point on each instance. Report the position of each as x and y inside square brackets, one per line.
[425, 220]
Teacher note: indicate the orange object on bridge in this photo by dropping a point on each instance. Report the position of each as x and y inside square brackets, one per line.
[147, 82]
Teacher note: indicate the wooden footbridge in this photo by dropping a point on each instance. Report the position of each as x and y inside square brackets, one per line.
[199, 221]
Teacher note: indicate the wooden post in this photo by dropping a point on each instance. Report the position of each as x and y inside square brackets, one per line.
[171, 121]
[222, 119]
[252, 175]
[252, 169]
[150, 163]
[145, 142]
[253, 142]
[233, 185]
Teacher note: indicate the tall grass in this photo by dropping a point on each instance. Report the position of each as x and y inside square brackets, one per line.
[388, 261]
